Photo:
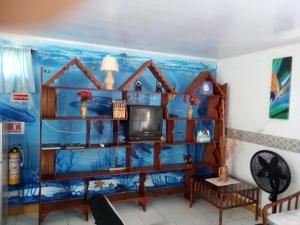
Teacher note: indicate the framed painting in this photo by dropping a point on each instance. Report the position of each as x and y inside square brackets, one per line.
[280, 88]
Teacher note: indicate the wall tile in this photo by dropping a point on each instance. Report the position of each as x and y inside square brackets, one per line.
[288, 144]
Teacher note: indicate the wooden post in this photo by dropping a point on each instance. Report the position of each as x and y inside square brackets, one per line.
[170, 128]
[142, 190]
[116, 126]
[86, 189]
[157, 151]
[190, 133]
[164, 103]
[189, 173]
[128, 157]
[88, 133]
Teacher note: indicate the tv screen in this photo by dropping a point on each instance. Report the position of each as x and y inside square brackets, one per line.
[145, 122]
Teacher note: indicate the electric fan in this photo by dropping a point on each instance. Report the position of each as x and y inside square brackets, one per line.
[271, 173]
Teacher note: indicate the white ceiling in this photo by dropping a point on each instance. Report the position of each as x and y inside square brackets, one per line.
[204, 28]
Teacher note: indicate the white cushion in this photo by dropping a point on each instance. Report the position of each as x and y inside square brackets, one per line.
[165, 223]
[285, 218]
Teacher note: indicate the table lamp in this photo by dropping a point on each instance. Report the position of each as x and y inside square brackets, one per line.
[109, 65]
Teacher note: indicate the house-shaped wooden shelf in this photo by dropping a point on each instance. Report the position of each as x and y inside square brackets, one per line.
[48, 101]
[204, 76]
[157, 73]
[83, 69]
[215, 102]
[215, 110]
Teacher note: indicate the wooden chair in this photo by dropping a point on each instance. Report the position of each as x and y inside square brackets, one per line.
[288, 203]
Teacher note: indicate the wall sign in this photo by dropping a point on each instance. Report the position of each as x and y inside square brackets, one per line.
[14, 127]
[20, 97]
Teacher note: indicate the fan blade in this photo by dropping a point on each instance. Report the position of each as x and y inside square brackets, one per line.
[263, 162]
[282, 176]
[272, 183]
[277, 183]
[274, 162]
[262, 173]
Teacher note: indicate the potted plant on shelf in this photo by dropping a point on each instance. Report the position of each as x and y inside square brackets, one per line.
[193, 100]
[84, 96]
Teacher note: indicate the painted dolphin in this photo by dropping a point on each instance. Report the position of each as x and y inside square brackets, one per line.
[15, 114]
[98, 124]
[134, 155]
[145, 148]
[165, 147]
[100, 105]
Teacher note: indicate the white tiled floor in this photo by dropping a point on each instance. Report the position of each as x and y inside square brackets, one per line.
[161, 209]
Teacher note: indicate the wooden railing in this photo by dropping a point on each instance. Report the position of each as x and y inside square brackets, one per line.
[288, 203]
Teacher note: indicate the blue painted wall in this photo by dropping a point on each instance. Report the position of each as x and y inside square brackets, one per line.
[52, 56]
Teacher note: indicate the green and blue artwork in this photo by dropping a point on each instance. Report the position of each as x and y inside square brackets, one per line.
[280, 88]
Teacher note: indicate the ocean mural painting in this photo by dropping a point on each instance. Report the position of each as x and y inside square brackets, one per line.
[280, 88]
[52, 56]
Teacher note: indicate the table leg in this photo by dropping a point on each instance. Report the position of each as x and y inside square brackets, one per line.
[221, 210]
[191, 193]
[220, 216]
[257, 203]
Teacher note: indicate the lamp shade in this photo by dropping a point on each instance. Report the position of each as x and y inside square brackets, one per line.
[109, 64]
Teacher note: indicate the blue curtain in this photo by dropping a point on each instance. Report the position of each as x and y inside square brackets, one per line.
[16, 73]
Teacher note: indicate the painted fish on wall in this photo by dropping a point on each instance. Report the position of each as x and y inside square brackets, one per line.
[9, 112]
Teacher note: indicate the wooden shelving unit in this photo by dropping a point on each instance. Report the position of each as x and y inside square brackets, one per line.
[80, 118]
[216, 112]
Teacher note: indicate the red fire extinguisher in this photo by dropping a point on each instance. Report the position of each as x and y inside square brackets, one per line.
[15, 162]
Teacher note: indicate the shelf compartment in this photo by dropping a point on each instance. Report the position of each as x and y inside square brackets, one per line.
[183, 166]
[90, 147]
[130, 91]
[62, 204]
[124, 196]
[184, 94]
[48, 101]
[80, 118]
[157, 191]
[144, 141]
[143, 92]
[48, 163]
[186, 143]
[199, 118]
[85, 88]
[93, 174]
[135, 170]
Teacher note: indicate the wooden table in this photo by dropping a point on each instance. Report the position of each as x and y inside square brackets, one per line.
[224, 197]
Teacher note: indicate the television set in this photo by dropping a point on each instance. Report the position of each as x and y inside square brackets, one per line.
[145, 122]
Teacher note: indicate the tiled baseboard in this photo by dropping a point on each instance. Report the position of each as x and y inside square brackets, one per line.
[287, 144]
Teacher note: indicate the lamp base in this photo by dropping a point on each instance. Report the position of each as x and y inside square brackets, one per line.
[109, 81]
